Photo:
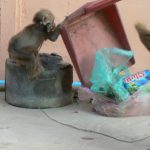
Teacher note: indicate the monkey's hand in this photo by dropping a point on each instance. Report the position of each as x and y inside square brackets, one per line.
[60, 25]
[53, 35]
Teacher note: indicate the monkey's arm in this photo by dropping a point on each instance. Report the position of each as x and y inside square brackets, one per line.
[53, 35]
[144, 35]
[146, 40]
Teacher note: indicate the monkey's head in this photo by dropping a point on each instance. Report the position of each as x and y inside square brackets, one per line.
[46, 18]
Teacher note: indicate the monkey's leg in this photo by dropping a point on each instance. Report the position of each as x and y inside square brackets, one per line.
[35, 67]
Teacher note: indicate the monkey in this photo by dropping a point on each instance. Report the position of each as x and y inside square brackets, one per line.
[24, 47]
[144, 35]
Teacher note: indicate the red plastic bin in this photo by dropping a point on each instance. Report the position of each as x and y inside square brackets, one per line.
[94, 26]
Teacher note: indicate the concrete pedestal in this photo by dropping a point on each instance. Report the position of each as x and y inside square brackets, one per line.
[52, 88]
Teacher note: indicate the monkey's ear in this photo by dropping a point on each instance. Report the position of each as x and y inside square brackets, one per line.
[44, 20]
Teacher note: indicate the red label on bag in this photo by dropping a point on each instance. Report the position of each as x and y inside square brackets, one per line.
[134, 77]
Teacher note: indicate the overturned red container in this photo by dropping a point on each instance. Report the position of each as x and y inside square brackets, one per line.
[94, 26]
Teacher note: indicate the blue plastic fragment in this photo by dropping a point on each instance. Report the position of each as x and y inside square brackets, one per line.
[76, 84]
[2, 81]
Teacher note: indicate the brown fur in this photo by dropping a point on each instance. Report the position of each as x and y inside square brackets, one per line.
[24, 47]
[144, 35]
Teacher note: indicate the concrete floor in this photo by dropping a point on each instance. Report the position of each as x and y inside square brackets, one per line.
[31, 129]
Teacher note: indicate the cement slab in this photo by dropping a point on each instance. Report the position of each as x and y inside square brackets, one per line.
[33, 129]
[129, 129]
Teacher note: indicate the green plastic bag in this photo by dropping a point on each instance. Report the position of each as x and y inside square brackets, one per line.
[106, 77]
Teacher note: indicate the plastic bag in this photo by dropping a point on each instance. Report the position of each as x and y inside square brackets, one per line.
[85, 94]
[137, 104]
[106, 77]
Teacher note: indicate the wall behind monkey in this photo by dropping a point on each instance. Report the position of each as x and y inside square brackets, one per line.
[18, 13]
[133, 11]
[25, 9]
[7, 28]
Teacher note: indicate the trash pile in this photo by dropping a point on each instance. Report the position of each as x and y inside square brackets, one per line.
[114, 91]
[109, 71]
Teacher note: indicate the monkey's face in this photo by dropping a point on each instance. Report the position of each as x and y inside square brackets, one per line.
[48, 22]
[50, 26]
